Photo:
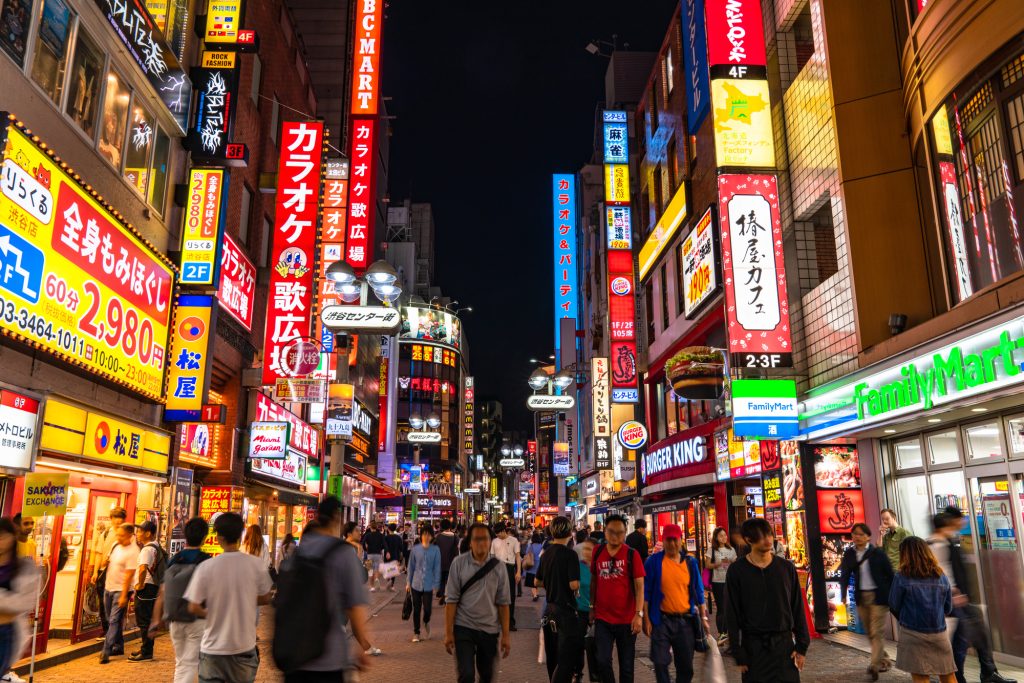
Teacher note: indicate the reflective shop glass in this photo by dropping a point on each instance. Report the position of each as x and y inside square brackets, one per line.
[943, 448]
[908, 454]
[140, 145]
[52, 47]
[914, 516]
[983, 441]
[115, 119]
[84, 84]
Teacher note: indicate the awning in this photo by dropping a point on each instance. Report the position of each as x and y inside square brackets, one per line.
[380, 489]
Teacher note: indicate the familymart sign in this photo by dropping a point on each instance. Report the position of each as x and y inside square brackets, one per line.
[975, 365]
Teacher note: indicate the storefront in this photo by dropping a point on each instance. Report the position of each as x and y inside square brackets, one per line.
[110, 462]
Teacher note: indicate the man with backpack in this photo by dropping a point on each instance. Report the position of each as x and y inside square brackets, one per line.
[152, 564]
[617, 599]
[172, 608]
[225, 591]
[320, 592]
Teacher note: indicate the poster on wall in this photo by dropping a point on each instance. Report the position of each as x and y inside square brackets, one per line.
[181, 508]
[699, 263]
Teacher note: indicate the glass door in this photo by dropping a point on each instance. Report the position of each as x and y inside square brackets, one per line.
[91, 536]
[997, 516]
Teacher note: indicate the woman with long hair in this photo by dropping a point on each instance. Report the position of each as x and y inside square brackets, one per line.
[17, 595]
[921, 599]
[720, 556]
[253, 544]
[287, 548]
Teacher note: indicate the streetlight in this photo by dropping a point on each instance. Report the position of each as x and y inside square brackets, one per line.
[380, 277]
[508, 450]
[416, 421]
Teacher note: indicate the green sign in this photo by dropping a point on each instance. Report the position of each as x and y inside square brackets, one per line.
[334, 486]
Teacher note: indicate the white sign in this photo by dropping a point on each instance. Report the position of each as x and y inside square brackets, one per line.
[627, 470]
[545, 402]
[511, 462]
[591, 486]
[700, 279]
[424, 437]
[268, 440]
[602, 397]
[376, 319]
[752, 238]
[18, 426]
[471, 492]
[291, 469]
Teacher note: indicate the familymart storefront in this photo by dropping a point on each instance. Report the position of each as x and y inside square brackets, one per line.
[941, 425]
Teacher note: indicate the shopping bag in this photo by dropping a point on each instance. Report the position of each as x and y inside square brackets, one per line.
[540, 647]
[390, 570]
[407, 607]
[714, 667]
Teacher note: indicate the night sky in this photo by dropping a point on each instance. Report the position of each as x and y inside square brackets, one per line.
[491, 98]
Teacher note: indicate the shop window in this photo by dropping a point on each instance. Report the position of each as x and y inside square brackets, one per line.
[139, 147]
[673, 414]
[983, 441]
[52, 46]
[943, 448]
[84, 85]
[115, 120]
[649, 310]
[265, 243]
[1015, 436]
[666, 189]
[14, 18]
[914, 517]
[908, 454]
[158, 170]
[664, 296]
[673, 165]
[1015, 122]
[171, 17]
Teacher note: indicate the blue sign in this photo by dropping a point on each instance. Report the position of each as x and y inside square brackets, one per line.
[695, 64]
[625, 395]
[21, 266]
[616, 140]
[566, 283]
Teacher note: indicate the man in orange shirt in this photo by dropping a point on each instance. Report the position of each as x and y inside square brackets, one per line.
[676, 614]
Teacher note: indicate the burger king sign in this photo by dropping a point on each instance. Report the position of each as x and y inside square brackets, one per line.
[632, 435]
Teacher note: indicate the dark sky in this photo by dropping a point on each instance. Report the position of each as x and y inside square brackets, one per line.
[491, 98]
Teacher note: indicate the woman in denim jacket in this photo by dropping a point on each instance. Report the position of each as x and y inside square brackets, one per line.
[921, 598]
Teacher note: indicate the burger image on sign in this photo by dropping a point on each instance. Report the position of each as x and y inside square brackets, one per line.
[697, 373]
[620, 286]
[632, 435]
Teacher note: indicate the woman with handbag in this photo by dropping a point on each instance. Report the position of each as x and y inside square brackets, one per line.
[719, 558]
[531, 561]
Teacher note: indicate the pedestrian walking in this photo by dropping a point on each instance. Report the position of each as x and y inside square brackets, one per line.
[676, 615]
[287, 548]
[892, 535]
[638, 539]
[921, 598]
[531, 562]
[321, 596]
[872, 577]
[720, 556]
[448, 544]
[151, 566]
[584, 550]
[765, 611]
[477, 609]
[559, 575]
[18, 582]
[970, 626]
[506, 548]
[254, 544]
[102, 546]
[226, 591]
[373, 544]
[124, 560]
[172, 608]
[598, 533]
[617, 596]
[394, 551]
[424, 579]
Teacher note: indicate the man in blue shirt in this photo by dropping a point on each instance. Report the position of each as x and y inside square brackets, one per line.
[424, 579]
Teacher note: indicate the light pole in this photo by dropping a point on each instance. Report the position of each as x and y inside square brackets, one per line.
[510, 451]
[540, 380]
[417, 423]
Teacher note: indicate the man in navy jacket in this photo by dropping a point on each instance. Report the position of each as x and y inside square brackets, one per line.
[676, 614]
[871, 572]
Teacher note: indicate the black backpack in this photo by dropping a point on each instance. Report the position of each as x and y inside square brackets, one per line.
[302, 615]
[160, 567]
[176, 579]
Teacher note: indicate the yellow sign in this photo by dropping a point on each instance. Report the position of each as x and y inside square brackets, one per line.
[76, 431]
[222, 20]
[201, 233]
[616, 183]
[742, 115]
[218, 60]
[76, 281]
[663, 231]
[188, 366]
[46, 493]
[940, 128]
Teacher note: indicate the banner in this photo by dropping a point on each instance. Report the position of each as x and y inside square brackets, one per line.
[181, 508]
[601, 396]
[699, 263]
[566, 286]
[204, 225]
[213, 502]
[46, 493]
[188, 376]
[213, 124]
[237, 283]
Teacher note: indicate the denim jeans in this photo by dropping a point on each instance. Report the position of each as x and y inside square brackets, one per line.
[240, 668]
[622, 637]
[113, 643]
[8, 648]
[971, 632]
[675, 634]
[473, 647]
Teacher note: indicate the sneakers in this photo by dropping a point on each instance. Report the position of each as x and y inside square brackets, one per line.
[12, 677]
[426, 631]
[139, 657]
[374, 652]
[416, 638]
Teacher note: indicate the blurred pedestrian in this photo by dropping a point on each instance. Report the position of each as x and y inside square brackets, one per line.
[506, 548]
[18, 584]
[921, 598]
[477, 609]
[765, 611]
[559, 575]
[531, 562]
[124, 560]
[448, 544]
[720, 556]
[226, 591]
[424, 579]
[101, 547]
[585, 552]
[373, 544]
[287, 548]
[638, 539]
[151, 567]
[872, 574]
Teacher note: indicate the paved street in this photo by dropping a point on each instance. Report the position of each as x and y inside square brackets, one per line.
[826, 663]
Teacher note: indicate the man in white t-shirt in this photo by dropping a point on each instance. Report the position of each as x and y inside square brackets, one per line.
[124, 559]
[225, 591]
[151, 557]
[506, 548]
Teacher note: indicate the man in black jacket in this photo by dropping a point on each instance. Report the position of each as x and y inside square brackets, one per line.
[970, 628]
[872, 576]
[394, 550]
[638, 539]
[448, 543]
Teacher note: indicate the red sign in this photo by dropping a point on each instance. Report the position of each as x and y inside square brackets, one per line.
[622, 322]
[839, 510]
[213, 412]
[735, 32]
[547, 509]
[531, 448]
[293, 250]
[237, 282]
[770, 458]
[366, 66]
[303, 437]
[361, 198]
[688, 453]
[754, 272]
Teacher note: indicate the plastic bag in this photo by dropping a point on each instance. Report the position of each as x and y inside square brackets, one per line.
[714, 667]
[390, 570]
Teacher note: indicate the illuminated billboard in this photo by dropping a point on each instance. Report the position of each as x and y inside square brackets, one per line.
[201, 233]
[431, 324]
[564, 228]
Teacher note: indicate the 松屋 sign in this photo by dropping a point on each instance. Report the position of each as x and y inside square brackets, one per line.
[188, 373]
[544, 402]
[764, 408]
[981, 363]
[268, 440]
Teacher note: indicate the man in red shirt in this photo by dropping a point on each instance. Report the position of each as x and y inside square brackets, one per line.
[617, 596]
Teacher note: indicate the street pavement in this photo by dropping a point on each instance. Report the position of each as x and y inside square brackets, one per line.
[427, 661]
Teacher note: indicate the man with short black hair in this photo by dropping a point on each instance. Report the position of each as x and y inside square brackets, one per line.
[638, 539]
[507, 549]
[102, 545]
[226, 591]
[617, 597]
[448, 543]
[147, 585]
[373, 545]
[559, 575]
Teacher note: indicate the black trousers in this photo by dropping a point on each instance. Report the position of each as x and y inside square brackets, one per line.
[563, 643]
[443, 588]
[421, 600]
[512, 591]
[769, 658]
[673, 639]
[475, 649]
[718, 590]
[315, 677]
[145, 601]
[971, 632]
[101, 587]
[622, 637]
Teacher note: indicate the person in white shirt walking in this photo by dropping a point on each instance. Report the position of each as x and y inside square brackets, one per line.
[506, 549]
[124, 559]
[226, 591]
